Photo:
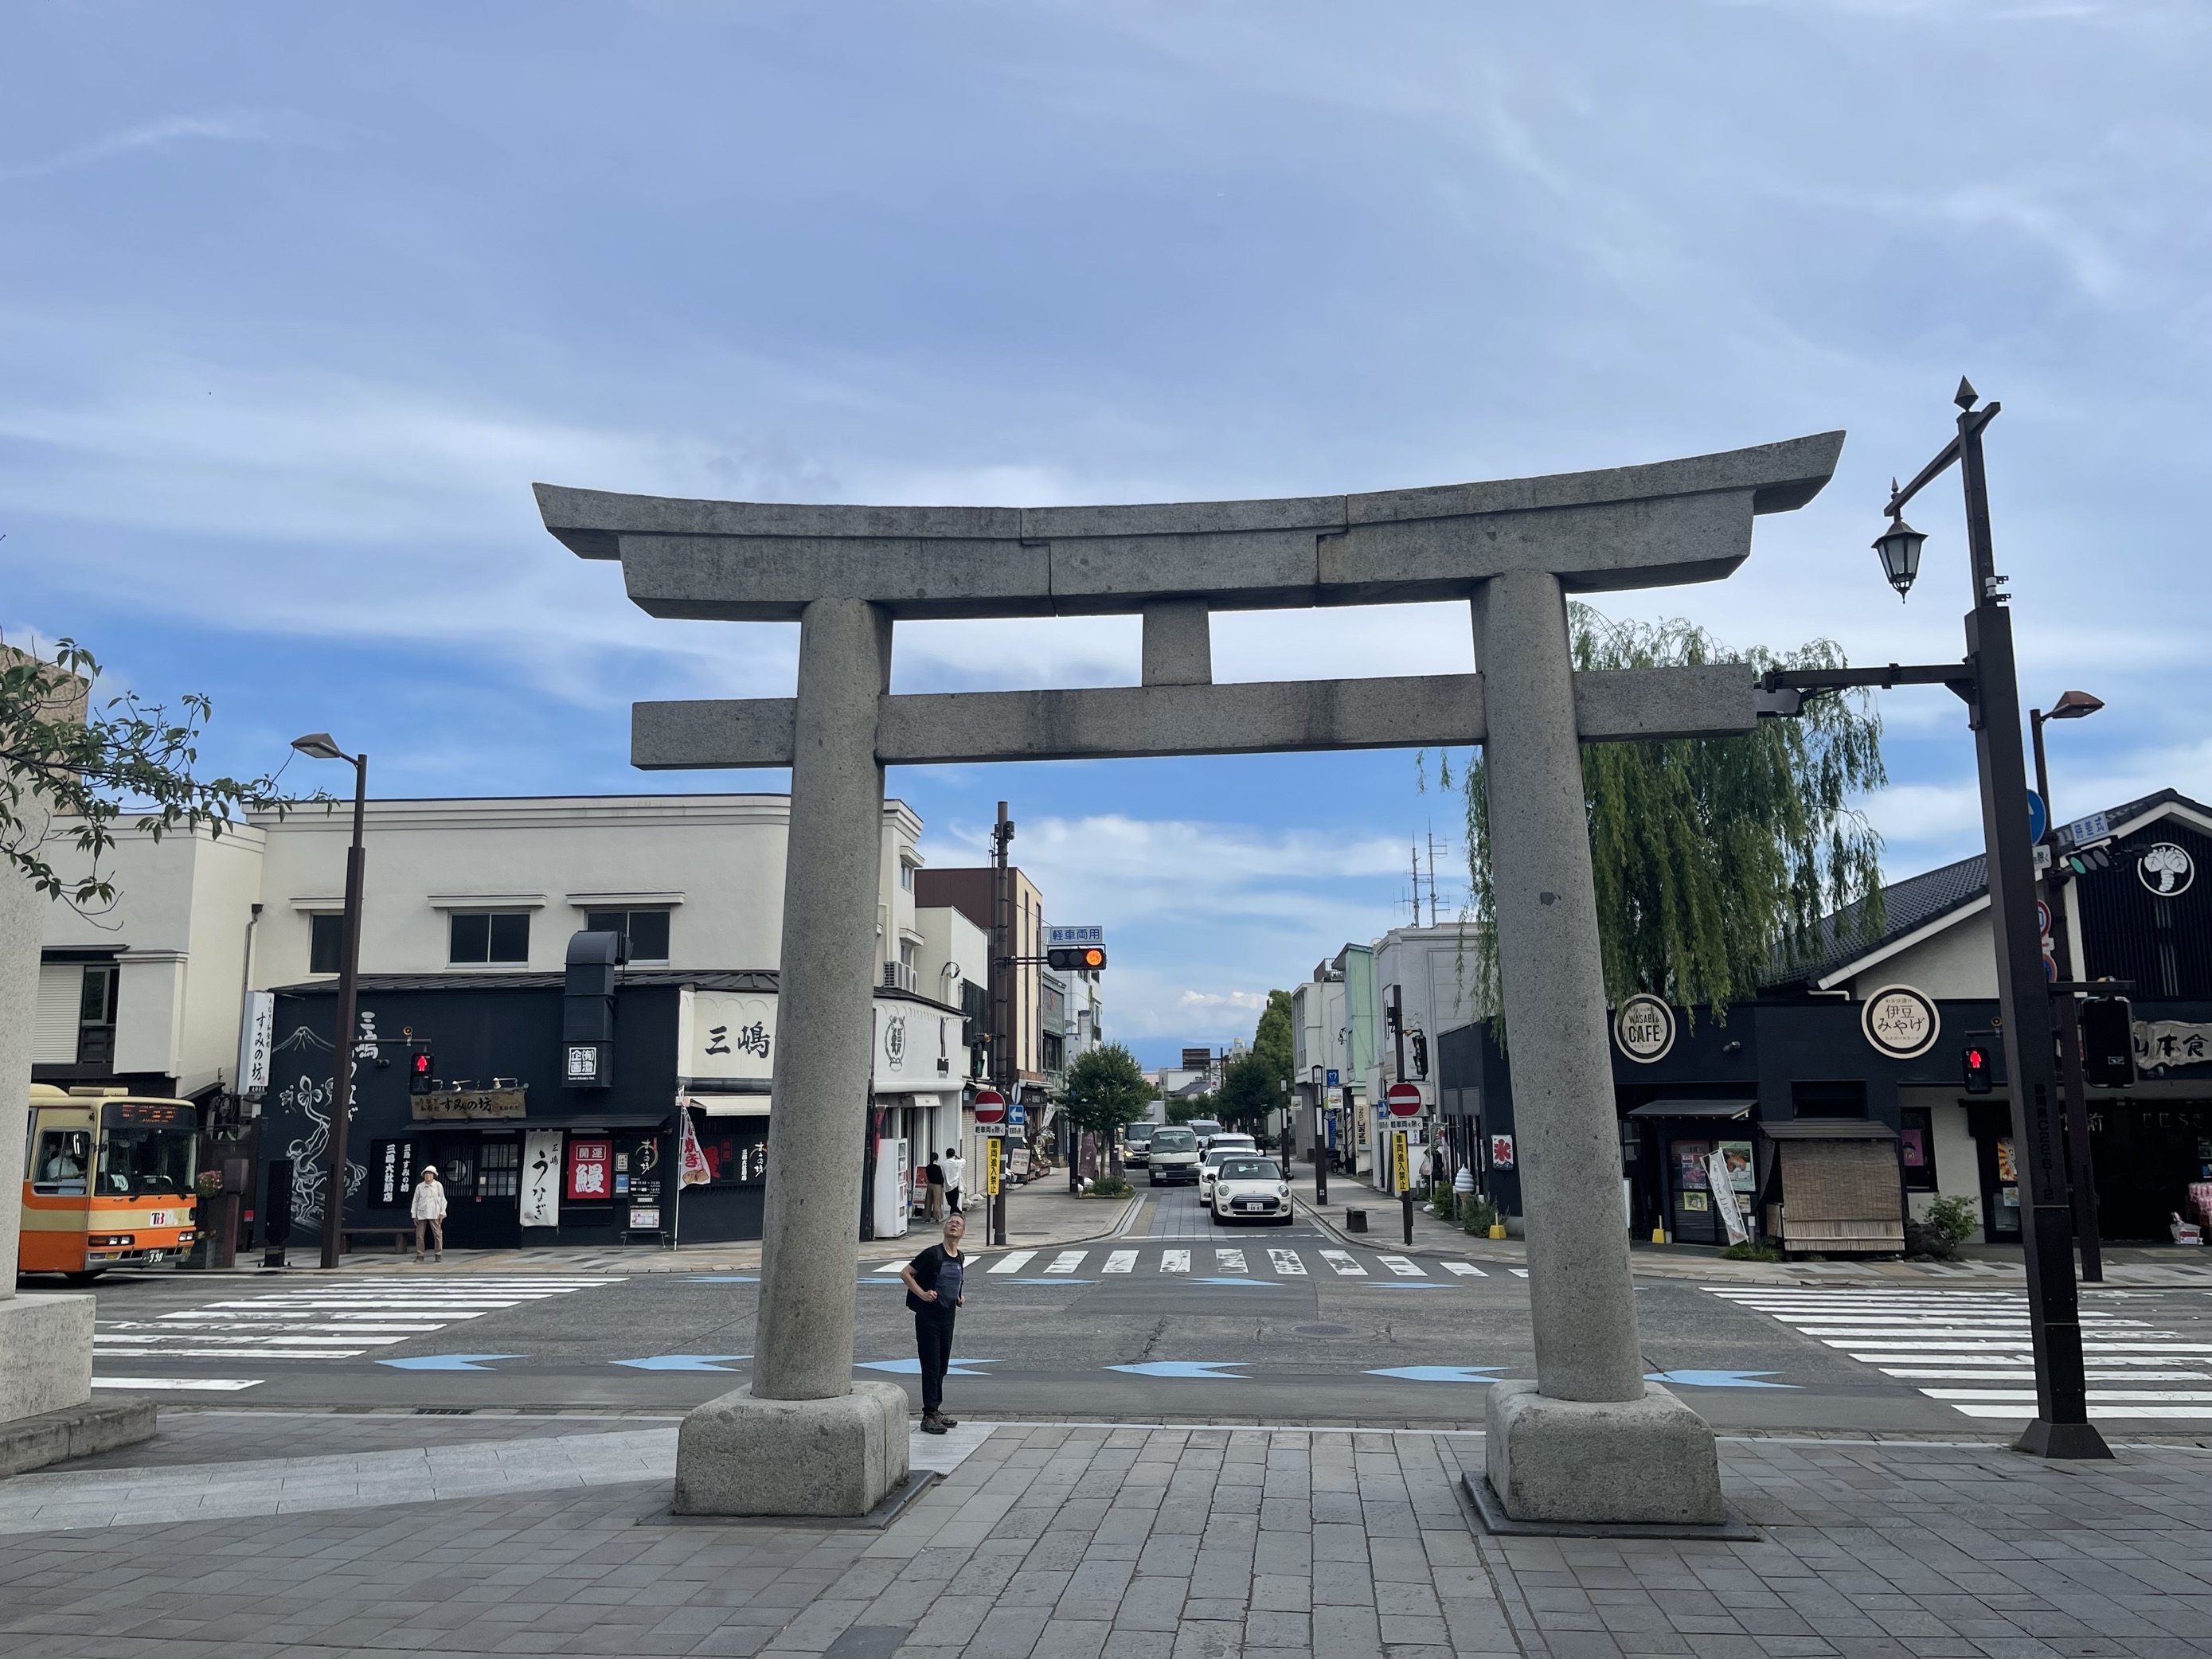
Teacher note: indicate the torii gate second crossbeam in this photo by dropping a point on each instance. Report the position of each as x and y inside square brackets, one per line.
[1589, 1441]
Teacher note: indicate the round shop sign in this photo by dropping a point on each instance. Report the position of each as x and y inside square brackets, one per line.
[1644, 1029]
[1901, 1022]
[2165, 869]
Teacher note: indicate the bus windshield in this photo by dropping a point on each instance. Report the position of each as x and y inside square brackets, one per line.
[134, 1162]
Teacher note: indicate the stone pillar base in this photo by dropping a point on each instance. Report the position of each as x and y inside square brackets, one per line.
[1649, 1461]
[46, 1354]
[739, 1455]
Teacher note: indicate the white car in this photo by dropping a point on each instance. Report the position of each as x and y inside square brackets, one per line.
[1223, 1146]
[1250, 1188]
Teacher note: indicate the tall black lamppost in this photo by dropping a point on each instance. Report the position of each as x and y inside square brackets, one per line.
[1989, 682]
[320, 746]
[2071, 706]
[1321, 1136]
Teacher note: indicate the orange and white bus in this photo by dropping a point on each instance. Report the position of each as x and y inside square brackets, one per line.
[107, 1181]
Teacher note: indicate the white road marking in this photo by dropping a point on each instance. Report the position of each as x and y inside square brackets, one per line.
[1518, 1273]
[1175, 1261]
[1342, 1263]
[1289, 1263]
[1465, 1270]
[1120, 1262]
[1014, 1262]
[1404, 1266]
[892, 1267]
[1230, 1261]
[150, 1384]
[1067, 1261]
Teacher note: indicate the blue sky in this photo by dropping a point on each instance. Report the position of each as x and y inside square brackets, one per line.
[296, 302]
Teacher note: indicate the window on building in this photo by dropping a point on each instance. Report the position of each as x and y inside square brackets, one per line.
[96, 1019]
[1845, 1099]
[906, 875]
[1049, 1050]
[647, 931]
[489, 936]
[499, 1169]
[1916, 1148]
[326, 943]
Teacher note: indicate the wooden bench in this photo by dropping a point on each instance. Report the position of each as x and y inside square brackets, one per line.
[403, 1238]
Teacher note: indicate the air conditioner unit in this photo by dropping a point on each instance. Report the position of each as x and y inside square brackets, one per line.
[898, 976]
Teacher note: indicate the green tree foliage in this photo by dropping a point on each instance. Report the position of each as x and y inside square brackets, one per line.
[1271, 1044]
[1191, 1106]
[1715, 857]
[1250, 1090]
[71, 766]
[1106, 1090]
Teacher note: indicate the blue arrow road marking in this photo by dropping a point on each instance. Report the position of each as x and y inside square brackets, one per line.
[1403, 1284]
[1208, 1371]
[448, 1362]
[1716, 1379]
[680, 1362]
[1256, 1283]
[1440, 1373]
[913, 1367]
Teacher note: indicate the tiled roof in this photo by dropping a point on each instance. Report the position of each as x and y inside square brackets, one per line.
[718, 979]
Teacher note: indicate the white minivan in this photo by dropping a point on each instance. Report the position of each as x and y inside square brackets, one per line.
[1173, 1155]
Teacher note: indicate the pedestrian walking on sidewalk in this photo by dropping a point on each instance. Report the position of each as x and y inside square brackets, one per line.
[955, 1167]
[430, 1212]
[934, 1280]
[933, 1173]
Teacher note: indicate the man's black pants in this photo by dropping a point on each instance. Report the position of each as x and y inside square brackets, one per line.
[933, 1337]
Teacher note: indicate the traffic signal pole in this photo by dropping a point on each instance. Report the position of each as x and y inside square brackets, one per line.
[2069, 1015]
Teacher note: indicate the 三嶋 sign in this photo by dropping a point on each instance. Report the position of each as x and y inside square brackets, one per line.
[1644, 1029]
[1901, 1022]
[727, 1036]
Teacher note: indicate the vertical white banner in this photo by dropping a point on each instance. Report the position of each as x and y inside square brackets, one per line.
[1724, 1200]
[540, 1178]
[254, 1032]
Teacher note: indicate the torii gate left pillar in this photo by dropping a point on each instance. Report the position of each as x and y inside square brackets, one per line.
[1590, 1440]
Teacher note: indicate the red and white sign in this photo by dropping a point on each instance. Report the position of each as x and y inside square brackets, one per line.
[589, 1162]
[990, 1106]
[1404, 1099]
[1501, 1152]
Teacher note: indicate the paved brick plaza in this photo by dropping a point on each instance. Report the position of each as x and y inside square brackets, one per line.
[1076, 1542]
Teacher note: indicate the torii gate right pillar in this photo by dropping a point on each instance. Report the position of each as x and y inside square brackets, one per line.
[1590, 1440]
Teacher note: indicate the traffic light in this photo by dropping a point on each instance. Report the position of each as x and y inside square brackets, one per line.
[2084, 860]
[419, 1067]
[1420, 1053]
[2108, 1043]
[1978, 1061]
[1075, 958]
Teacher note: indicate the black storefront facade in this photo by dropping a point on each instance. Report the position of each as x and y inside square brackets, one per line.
[529, 1158]
[1830, 1137]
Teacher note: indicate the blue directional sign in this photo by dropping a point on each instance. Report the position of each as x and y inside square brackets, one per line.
[682, 1362]
[2038, 816]
[1204, 1370]
[1441, 1373]
[1716, 1379]
[448, 1362]
[1331, 1078]
[913, 1367]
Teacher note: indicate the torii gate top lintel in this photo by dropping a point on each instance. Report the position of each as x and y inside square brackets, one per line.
[1651, 525]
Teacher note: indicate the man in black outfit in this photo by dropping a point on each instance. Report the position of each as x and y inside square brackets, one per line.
[934, 1280]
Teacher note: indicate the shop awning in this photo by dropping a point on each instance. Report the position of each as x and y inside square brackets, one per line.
[728, 1105]
[1724, 1108]
[1829, 1129]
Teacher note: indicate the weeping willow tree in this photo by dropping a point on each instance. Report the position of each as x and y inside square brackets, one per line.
[1715, 857]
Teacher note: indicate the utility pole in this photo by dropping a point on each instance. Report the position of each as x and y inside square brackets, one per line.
[2068, 1011]
[1003, 1070]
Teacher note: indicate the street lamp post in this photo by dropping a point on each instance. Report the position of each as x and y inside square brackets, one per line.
[2062, 1426]
[2071, 706]
[1321, 1136]
[320, 746]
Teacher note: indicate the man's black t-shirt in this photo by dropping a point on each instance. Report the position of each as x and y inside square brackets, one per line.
[934, 1270]
[933, 1174]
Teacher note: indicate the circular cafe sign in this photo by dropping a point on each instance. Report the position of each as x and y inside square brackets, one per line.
[1901, 1022]
[1644, 1029]
[2165, 869]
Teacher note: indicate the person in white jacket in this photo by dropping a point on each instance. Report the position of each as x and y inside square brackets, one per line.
[430, 1212]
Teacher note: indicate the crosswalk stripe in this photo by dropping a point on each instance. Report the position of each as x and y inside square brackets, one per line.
[1067, 1261]
[1013, 1262]
[1120, 1262]
[1342, 1263]
[1289, 1263]
[1465, 1270]
[892, 1267]
[1230, 1261]
[1518, 1273]
[1404, 1266]
[1175, 1261]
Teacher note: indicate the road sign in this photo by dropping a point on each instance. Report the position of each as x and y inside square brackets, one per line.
[992, 1131]
[2038, 816]
[992, 1155]
[2042, 917]
[1016, 1115]
[1401, 1173]
[1404, 1100]
[1334, 1082]
[1072, 939]
[990, 1106]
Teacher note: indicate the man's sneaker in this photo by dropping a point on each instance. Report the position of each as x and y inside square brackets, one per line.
[933, 1426]
[949, 1422]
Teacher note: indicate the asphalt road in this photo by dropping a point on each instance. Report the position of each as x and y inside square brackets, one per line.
[1291, 1329]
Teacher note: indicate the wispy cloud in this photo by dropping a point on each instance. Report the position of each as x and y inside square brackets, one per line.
[235, 127]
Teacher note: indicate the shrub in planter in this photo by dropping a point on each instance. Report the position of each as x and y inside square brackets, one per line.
[1109, 1186]
[1749, 1251]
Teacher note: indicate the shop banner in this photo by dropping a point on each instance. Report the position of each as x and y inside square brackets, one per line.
[540, 1178]
[1723, 1190]
[589, 1163]
[693, 1169]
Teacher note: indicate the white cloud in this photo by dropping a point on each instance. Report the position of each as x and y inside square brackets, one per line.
[233, 127]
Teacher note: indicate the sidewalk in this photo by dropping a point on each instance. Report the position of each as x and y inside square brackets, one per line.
[1074, 1541]
[1979, 1263]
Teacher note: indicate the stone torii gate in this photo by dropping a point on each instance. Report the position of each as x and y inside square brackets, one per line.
[1590, 1440]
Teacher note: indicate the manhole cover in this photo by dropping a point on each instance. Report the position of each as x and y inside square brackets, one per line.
[1324, 1330]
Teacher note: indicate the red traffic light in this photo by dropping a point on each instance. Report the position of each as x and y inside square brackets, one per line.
[419, 1065]
[1975, 1065]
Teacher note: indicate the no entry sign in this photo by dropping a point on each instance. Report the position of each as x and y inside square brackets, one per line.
[1404, 1100]
[990, 1106]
